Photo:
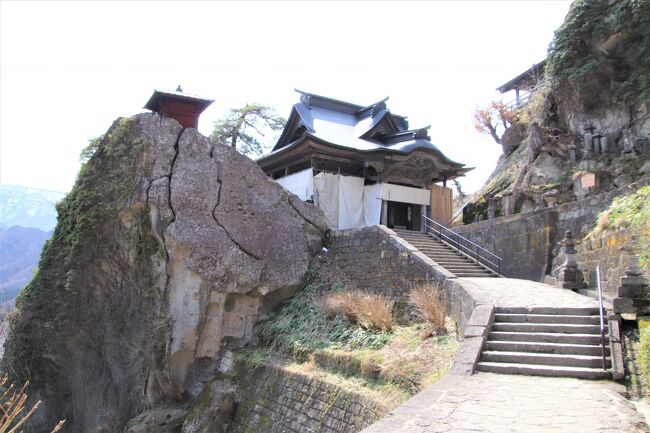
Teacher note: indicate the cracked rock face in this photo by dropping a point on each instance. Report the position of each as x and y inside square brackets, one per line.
[220, 245]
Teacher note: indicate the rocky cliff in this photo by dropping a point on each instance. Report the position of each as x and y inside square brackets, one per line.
[589, 115]
[167, 251]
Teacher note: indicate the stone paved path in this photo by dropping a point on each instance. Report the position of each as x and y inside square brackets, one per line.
[511, 292]
[487, 402]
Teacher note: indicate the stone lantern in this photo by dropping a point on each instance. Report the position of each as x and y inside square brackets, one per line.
[491, 210]
[551, 198]
[567, 276]
[633, 295]
[507, 203]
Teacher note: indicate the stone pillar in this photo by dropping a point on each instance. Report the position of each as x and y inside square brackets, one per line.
[572, 153]
[551, 198]
[567, 276]
[604, 144]
[491, 211]
[596, 143]
[633, 295]
[507, 204]
[628, 143]
[588, 144]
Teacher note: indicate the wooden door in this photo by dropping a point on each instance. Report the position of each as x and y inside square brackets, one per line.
[441, 204]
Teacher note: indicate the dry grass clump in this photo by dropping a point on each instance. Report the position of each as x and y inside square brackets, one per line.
[369, 310]
[431, 304]
[12, 404]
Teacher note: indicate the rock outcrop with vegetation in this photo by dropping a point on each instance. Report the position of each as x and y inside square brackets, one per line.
[167, 251]
[595, 95]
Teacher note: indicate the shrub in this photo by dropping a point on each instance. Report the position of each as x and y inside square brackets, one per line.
[430, 302]
[644, 353]
[369, 310]
[631, 211]
[301, 326]
[12, 403]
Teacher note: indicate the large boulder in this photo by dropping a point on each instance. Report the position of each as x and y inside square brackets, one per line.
[168, 250]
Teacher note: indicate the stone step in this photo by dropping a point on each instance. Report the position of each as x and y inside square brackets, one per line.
[565, 311]
[411, 232]
[541, 347]
[423, 240]
[546, 318]
[446, 251]
[432, 243]
[468, 275]
[543, 370]
[546, 337]
[417, 237]
[448, 257]
[566, 360]
[446, 262]
[468, 269]
[439, 258]
[445, 256]
[564, 328]
[452, 260]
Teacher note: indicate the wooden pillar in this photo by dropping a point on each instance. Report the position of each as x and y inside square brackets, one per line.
[517, 103]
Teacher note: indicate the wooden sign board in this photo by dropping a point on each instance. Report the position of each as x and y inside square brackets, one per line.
[588, 180]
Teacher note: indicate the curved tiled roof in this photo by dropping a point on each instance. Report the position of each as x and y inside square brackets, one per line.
[364, 129]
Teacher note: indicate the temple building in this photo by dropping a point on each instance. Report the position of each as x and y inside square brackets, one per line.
[362, 165]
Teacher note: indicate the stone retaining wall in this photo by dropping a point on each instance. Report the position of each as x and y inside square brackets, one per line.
[528, 242]
[609, 251]
[279, 401]
[377, 260]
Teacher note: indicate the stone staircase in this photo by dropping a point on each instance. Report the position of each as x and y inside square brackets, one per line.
[447, 257]
[560, 342]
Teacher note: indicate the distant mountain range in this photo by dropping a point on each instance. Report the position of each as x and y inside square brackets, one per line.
[27, 218]
[28, 207]
[20, 249]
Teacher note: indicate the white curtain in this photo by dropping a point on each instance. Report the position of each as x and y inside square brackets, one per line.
[346, 203]
[350, 202]
[301, 184]
[372, 197]
[326, 197]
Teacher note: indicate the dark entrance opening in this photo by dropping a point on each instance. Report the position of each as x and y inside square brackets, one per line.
[403, 216]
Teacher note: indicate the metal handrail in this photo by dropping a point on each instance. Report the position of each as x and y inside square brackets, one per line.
[602, 319]
[457, 213]
[474, 251]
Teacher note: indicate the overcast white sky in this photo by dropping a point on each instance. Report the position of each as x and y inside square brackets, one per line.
[68, 69]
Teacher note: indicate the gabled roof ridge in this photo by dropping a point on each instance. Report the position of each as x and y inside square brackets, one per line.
[372, 109]
[411, 134]
[310, 99]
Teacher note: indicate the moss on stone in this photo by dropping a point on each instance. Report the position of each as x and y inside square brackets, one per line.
[586, 63]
